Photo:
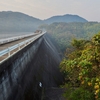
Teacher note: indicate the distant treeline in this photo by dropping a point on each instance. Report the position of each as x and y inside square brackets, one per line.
[64, 33]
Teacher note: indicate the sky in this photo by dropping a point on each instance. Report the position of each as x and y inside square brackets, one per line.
[43, 9]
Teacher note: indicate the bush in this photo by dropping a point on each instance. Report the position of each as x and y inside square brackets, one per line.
[79, 94]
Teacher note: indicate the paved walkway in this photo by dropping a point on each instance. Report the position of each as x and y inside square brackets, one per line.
[4, 46]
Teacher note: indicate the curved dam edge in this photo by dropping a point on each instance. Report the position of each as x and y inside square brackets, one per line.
[20, 76]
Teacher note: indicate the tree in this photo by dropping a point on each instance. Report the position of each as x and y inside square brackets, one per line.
[83, 66]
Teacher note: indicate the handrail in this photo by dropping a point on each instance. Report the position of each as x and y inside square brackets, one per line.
[6, 40]
[9, 49]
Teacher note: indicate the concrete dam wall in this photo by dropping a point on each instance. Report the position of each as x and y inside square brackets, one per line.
[21, 74]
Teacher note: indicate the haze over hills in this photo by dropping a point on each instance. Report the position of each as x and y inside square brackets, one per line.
[65, 18]
[16, 21]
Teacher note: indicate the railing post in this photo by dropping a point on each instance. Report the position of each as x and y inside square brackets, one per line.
[25, 43]
[30, 41]
[18, 46]
[8, 52]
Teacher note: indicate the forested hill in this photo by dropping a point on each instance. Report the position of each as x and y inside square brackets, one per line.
[65, 18]
[64, 33]
[15, 21]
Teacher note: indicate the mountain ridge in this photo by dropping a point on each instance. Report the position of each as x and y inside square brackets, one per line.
[20, 22]
[65, 18]
[16, 21]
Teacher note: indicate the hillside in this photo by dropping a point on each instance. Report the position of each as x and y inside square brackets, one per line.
[81, 70]
[64, 33]
[20, 22]
[65, 18]
[15, 21]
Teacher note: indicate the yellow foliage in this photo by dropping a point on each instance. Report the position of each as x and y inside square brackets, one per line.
[89, 83]
[82, 82]
[96, 87]
[97, 79]
[96, 92]
[80, 77]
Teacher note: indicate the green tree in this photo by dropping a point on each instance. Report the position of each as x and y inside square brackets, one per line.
[82, 68]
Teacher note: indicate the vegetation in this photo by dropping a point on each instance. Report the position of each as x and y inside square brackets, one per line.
[64, 33]
[18, 22]
[82, 70]
[65, 18]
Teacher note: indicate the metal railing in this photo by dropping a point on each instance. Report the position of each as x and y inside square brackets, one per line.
[6, 40]
[18, 46]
